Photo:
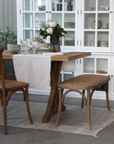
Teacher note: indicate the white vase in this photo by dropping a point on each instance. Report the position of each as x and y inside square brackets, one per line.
[98, 24]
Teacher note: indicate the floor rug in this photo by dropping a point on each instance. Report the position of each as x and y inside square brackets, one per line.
[73, 120]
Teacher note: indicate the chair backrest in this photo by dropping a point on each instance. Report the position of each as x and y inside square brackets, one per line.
[2, 75]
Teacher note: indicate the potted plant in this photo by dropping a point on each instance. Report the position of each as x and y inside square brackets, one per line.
[8, 40]
[59, 5]
[69, 6]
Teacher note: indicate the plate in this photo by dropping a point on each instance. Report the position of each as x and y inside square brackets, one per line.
[40, 51]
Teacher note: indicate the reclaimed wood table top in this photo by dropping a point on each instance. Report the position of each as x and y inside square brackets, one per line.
[7, 55]
[66, 57]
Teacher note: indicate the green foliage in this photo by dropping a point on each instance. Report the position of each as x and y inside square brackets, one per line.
[69, 2]
[57, 31]
[59, 0]
[7, 37]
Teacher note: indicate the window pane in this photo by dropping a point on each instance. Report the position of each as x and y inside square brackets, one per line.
[103, 5]
[28, 20]
[69, 39]
[28, 34]
[69, 21]
[39, 19]
[28, 5]
[89, 39]
[57, 18]
[90, 5]
[40, 5]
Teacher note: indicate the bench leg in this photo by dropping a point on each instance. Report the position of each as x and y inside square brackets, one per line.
[88, 109]
[107, 97]
[60, 105]
[82, 102]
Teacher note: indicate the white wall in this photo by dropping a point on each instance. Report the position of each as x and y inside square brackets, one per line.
[8, 14]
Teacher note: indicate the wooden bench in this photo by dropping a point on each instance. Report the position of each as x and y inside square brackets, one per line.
[80, 84]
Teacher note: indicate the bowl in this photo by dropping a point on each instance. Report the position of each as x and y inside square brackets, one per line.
[103, 8]
[44, 50]
[13, 48]
[42, 8]
[44, 45]
[92, 43]
[104, 44]
[105, 25]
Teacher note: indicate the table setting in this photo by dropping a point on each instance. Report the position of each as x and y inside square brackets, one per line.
[33, 47]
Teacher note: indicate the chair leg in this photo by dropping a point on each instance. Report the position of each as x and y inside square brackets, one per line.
[107, 98]
[88, 109]
[5, 114]
[60, 105]
[82, 102]
[28, 108]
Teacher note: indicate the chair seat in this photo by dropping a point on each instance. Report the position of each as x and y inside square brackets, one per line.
[84, 82]
[12, 84]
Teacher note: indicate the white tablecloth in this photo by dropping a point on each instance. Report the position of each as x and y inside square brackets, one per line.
[34, 69]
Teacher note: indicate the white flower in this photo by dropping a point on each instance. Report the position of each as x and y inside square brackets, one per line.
[53, 24]
[50, 30]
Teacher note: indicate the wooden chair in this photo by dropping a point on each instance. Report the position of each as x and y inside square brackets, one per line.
[9, 87]
[80, 84]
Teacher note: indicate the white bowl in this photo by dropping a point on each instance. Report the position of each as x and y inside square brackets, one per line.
[13, 48]
[105, 25]
[45, 45]
[44, 50]
[104, 43]
[103, 8]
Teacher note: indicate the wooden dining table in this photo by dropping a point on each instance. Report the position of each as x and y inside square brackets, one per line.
[56, 64]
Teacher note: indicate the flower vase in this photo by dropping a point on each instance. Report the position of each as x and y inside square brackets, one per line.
[54, 44]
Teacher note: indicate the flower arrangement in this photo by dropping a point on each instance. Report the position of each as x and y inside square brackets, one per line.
[52, 29]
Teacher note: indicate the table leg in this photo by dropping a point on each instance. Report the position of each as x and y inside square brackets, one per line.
[52, 106]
